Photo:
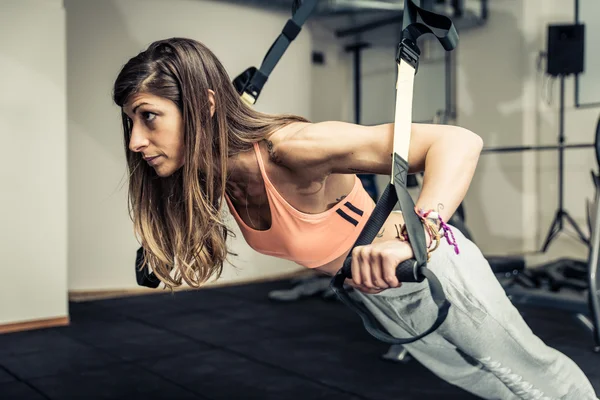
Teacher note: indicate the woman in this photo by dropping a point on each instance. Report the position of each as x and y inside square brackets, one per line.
[192, 145]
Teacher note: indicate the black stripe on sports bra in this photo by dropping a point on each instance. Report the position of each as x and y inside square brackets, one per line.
[347, 217]
[353, 208]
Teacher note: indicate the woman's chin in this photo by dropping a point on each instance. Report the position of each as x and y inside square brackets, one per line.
[164, 171]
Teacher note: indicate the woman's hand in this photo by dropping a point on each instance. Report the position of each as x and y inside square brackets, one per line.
[374, 266]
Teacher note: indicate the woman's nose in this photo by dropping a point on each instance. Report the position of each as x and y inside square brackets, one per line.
[138, 140]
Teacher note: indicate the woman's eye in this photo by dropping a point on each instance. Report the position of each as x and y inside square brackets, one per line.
[148, 116]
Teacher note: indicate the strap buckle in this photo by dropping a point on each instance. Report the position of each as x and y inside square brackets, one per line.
[408, 52]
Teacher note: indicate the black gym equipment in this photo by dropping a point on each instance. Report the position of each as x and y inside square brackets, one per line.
[143, 275]
[510, 149]
[557, 224]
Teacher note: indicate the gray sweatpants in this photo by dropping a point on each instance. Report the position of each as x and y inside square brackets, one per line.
[484, 346]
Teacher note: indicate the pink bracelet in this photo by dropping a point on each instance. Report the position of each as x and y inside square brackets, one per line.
[437, 219]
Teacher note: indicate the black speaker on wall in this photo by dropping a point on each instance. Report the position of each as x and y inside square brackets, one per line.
[565, 49]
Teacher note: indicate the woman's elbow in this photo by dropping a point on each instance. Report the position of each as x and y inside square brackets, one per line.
[471, 141]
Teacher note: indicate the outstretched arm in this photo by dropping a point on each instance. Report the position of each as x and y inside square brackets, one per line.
[447, 154]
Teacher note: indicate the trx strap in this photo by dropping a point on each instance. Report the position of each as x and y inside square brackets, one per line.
[414, 270]
[249, 85]
[250, 82]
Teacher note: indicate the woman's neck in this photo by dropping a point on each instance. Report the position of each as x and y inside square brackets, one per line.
[244, 179]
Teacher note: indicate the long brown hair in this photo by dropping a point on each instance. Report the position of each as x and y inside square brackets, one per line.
[178, 219]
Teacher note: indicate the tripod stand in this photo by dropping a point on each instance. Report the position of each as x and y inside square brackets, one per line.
[557, 224]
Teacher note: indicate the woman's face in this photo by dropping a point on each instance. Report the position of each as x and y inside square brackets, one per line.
[156, 132]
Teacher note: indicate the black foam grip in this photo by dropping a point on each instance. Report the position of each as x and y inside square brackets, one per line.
[408, 271]
[143, 275]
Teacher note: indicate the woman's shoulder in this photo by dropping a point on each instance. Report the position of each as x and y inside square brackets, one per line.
[296, 146]
[288, 157]
[282, 144]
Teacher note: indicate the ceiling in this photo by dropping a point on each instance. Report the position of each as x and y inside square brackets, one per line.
[375, 21]
[328, 7]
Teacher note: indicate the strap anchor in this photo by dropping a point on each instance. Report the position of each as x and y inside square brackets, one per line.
[250, 83]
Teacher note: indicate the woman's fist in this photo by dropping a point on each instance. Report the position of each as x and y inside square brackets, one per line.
[374, 266]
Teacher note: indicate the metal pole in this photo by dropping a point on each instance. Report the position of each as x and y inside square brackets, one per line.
[510, 149]
[561, 150]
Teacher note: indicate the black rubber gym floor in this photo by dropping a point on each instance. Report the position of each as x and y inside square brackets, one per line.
[232, 343]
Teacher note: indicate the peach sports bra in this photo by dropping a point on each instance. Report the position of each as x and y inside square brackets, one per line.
[311, 240]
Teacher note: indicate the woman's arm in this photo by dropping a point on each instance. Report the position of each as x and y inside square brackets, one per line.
[447, 154]
[449, 166]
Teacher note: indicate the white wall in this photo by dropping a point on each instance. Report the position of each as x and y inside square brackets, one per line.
[331, 82]
[501, 97]
[495, 100]
[102, 36]
[33, 128]
[589, 83]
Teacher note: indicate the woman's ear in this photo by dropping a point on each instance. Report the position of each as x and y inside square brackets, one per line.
[211, 99]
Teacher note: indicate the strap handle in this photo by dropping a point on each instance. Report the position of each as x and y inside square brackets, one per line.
[143, 275]
[414, 270]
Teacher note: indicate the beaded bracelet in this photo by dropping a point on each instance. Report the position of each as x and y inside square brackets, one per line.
[437, 219]
[432, 231]
[433, 224]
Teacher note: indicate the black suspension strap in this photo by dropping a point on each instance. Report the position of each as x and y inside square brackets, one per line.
[250, 83]
[416, 22]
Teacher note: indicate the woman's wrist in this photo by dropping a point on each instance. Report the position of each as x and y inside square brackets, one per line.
[434, 227]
